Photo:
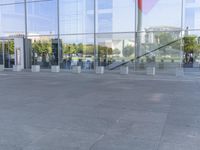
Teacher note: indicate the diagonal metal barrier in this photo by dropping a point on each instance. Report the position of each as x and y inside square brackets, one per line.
[119, 64]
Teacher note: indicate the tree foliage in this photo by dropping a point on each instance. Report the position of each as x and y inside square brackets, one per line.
[128, 51]
[116, 51]
[104, 50]
[87, 49]
[191, 45]
[167, 37]
[11, 47]
[42, 47]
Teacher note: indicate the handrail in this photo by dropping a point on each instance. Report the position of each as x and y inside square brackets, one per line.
[138, 57]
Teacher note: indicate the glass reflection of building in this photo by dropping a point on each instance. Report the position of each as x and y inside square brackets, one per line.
[192, 14]
[99, 30]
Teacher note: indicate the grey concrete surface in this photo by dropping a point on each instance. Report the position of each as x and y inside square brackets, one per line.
[49, 111]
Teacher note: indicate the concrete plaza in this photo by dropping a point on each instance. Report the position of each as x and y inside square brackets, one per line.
[64, 111]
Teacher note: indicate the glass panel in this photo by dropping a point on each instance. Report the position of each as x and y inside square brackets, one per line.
[105, 4]
[76, 16]
[115, 16]
[1, 53]
[44, 51]
[191, 14]
[78, 50]
[115, 48]
[42, 17]
[160, 14]
[10, 1]
[12, 20]
[165, 59]
[9, 54]
[191, 49]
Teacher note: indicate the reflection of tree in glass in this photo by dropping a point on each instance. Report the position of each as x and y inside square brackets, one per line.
[69, 49]
[42, 47]
[116, 51]
[10, 46]
[1, 53]
[1, 47]
[164, 38]
[104, 50]
[87, 49]
[171, 51]
[128, 51]
[191, 45]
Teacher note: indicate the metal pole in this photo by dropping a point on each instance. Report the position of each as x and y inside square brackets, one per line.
[9, 57]
[58, 23]
[139, 27]
[182, 36]
[26, 37]
[135, 32]
[26, 26]
[3, 49]
[95, 40]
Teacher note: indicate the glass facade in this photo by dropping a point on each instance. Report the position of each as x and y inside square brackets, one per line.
[91, 33]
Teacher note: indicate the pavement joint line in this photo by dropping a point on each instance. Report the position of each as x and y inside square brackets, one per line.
[164, 126]
[98, 139]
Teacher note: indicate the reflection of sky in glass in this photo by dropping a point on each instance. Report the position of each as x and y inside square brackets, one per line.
[12, 19]
[105, 4]
[77, 16]
[163, 13]
[42, 17]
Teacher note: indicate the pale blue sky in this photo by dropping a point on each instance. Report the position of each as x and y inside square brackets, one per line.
[75, 18]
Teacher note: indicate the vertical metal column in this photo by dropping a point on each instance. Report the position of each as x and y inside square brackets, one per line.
[3, 50]
[95, 40]
[58, 28]
[26, 37]
[135, 1]
[182, 35]
[25, 11]
[138, 29]
[9, 58]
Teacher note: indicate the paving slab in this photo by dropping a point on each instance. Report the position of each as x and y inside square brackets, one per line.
[65, 111]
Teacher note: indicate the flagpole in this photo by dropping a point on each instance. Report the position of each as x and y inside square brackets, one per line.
[140, 7]
[139, 28]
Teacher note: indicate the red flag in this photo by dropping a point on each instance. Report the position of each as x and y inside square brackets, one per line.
[146, 5]
[140, 4]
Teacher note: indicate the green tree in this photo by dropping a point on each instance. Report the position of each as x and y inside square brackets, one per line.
[89, 49]
[104, 50]
[190, 44]
[11, 47]
[128, 51]
[69, 49]
[167, 37]
[80, 48]
[42, 47]
[116, 51]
